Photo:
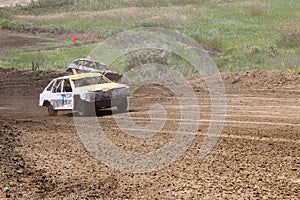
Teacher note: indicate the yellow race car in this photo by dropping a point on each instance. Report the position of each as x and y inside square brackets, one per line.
[84, 92]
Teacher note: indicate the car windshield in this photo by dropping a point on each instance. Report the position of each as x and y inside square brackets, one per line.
[91, 81]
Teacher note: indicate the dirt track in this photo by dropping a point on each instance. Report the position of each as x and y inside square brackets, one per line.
[257, 156]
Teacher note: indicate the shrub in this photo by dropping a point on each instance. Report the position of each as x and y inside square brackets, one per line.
[137, 58]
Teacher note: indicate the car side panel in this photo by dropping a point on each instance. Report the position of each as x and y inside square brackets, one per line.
[59, 101]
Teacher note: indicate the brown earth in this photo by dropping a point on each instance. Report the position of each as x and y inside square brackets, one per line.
[256, 157]
[8, 40]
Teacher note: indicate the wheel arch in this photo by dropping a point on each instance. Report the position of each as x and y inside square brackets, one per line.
[46, 103]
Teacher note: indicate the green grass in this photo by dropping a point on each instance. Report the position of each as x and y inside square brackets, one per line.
[240, 35]
[56, 59]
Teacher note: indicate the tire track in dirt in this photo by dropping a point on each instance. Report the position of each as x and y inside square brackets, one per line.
[257, 156]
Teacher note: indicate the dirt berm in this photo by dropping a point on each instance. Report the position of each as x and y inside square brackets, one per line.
[256, 157]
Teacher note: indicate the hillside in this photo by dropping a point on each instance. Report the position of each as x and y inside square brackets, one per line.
[239, 35]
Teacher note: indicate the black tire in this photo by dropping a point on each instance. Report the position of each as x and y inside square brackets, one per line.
[85, 108]
[51, 111]
[123, 106]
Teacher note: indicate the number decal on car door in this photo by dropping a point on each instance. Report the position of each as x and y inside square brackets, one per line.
[63, 96]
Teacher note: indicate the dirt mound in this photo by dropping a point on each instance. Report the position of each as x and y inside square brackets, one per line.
[263, 79]
[257, 155]
[26, 82]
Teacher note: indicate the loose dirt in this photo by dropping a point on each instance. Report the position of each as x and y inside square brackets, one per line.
[257, 156]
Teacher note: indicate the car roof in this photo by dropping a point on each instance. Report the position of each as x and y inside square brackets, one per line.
[90, 66]
[79, 76]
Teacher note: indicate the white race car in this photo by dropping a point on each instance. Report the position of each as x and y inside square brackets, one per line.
[84, 92]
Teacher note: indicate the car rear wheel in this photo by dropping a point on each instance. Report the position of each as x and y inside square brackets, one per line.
[123, 106]
[51, 111]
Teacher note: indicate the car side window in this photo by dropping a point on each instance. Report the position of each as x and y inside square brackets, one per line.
[50, 86]
[67, 86]
[57, 86]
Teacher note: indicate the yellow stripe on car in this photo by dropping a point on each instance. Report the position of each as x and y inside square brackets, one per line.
[80, 76]
[103, 87]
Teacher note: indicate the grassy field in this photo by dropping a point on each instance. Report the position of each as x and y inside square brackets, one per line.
[239, 35]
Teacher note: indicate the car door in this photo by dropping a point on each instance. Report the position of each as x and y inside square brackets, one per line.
[61, 95]
[66, 95]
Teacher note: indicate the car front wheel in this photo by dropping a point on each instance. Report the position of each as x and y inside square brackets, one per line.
[85, 108]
